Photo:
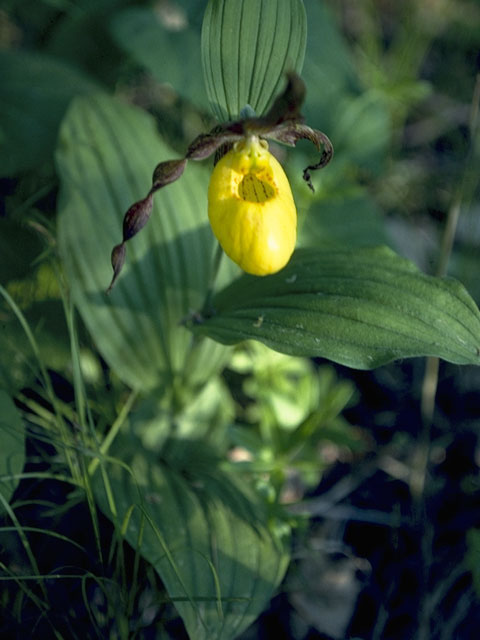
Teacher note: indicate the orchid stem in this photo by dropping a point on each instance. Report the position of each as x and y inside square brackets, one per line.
[217, 260]
[467, 186]
[463, 195]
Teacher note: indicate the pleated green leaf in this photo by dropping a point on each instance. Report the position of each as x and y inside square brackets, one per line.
[106, 154]
[247, 46]
[361, 308]
[12, 453]
[207, 541]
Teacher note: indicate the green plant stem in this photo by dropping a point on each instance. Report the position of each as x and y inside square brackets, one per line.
[432, 364]
[464, 193]
[217, 260]
[420, 461]
[114, 429]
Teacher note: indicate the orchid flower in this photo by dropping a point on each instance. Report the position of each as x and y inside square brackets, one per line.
[250, 204]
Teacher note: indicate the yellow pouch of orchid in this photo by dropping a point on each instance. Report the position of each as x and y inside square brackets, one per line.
[251, 208]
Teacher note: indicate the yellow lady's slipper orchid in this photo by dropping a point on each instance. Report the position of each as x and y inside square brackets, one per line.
[251, 208]
[250, 204]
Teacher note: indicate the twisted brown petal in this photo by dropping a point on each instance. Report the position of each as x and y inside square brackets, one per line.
[292, 132]
[206, 144]
[134, 220]
[139, 213]
[167, 172]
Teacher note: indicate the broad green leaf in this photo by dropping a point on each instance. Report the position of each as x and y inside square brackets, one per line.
[206, 416]
[12, 453]
[361, 308]
[34, 94]
[247, 46]
[142, 32]
[107, 151]
[205, 538]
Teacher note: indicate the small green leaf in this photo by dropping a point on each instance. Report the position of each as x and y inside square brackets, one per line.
[247, 46]
[361, 308]
[206, 539]
[107, 152]
[34, 94]
[12, 435]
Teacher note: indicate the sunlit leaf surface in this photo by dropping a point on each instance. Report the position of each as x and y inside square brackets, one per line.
[106, 155]
[361, 308]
